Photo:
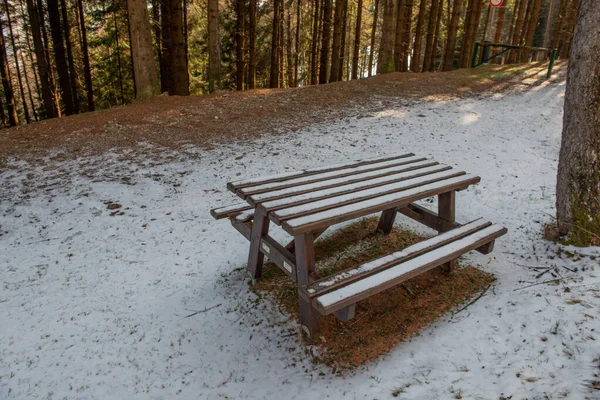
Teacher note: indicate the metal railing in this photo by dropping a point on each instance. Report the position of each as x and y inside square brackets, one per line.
[486, 46]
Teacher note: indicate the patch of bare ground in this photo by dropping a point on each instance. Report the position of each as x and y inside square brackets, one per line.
[172, 122]
[383, 320]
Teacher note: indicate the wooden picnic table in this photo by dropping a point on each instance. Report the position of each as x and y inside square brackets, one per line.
[306, 203]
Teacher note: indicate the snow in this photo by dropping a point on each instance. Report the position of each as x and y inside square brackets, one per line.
[372, 282]
[95, 306]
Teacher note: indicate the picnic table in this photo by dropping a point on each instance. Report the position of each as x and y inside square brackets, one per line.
[306, 203]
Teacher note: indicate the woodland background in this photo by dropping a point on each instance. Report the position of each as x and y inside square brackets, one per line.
[63, 57]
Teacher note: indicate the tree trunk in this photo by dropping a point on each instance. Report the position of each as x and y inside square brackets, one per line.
[60, 57]
[174, 60]
[433, 11]
[251, 43]
[29, 91]
[373, 32]
[498, 30]
[72, 71]
[578, 181]
[274, 78]
[239, 44]
[399, 36]
[470, 35]
[548, 24]
[559, 24]
[325, 43]
[144, 67]
[281, 44]
[415, 61]
[336, 50]
[357, 34]
[87, 71]
[569, 23]
[49, 103]
[449, 49]
[385, 61]
[13, 119]
[533, 19]
[297, 44]
[431, 66]
[516, 37]
[16, 57]
[343, 42]
[118, 53]
[46, 47]
[3, 121]
[405, 49]
[486, 25]
[314, 73]
[288, 51]
[214, 56]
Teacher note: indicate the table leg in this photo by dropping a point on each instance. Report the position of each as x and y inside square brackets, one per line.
[446, 210]
[305, 265]
[260, 228]
[386, 222]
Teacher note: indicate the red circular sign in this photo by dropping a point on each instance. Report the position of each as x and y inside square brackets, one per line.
[496, 3]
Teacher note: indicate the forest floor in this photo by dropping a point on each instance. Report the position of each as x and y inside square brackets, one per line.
[117, 283]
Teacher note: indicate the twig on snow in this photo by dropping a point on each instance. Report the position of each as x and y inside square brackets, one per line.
[202, 311]
[540, 283]
[474, 300]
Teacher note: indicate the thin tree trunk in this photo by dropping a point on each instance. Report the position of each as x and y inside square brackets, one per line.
[288, 52]
[343, 42]
[325, 43]
[157, 31]
[357, 32]
[415, 61]
[239, 47]
[406, 37]
[385, 61]
[486, 24]
[373, 32]
[72, 72]
[570, 22]
[3, 121]
[29, 91]
[13, 119]
[449, 49]
[578, 180]
[559, 24]
[47, 91]
[214, 57]
[60, 57]
[251, 43]
[185, 36]
[498, 30]
[399, 36]
[144, 66]
[548, 27]
[297, 44]
[518, 27]
[533, 19]
[314, 67]
[16, 57]
[118, 54]
[87, 70]
[281, 43]
[46, 47]
[274, 78]
[29, 53]
[337, 40]
[470, 35]
[431, 66]
[433, 11]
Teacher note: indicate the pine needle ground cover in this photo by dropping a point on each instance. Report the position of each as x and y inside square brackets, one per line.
[383, 320]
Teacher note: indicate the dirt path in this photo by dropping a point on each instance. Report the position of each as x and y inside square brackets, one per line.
[173, 122]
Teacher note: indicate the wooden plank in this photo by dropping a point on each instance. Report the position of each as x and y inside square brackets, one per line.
[291, 246]
[278, 216]
[330, 217]
[279, 255]
[373, 284]
[227, 211]
[333, 178]
[297, 195]
[260, 228]
[347, 313]
[427, 218]
[235, 185]
[350, 275]
[244, 228]
[386, 222]
[305, 266]
[447, 211]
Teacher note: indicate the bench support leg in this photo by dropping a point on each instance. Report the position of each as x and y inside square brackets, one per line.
[305, 265]
[386, 222]
[260, 228]
[291, 246]
[446, 211]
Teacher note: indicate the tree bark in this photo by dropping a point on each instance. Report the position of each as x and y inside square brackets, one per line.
[239, 44]
[406, 37]
[498, 30]
[449, 49]
[274, 77]
[433, 11]
[16, 57]
[559, 23]
[399, 36]
[415, 61]
[531, 25]
[516, 37]
[357, 34]
[325, 43]
[48, 100]
[251, 43]
[144, 67]
[373, 32]
[60, 57]
[297, 44]
[569, 23]
[72, 71]
[343, 42]
[578, 180]
[288, 51]
[174, 60]
[29, 91]
[431, 66]
[470, 35]
[13, 119]
[385, 61]
[336, 50]
[87, 70]
[214, 56]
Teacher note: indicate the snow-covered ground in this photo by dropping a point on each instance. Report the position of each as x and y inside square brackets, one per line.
[98, 306]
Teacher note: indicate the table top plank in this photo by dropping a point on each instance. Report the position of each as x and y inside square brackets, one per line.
[352, 170]
[235, 185]
[284, 214]
[386, 173]
[347, 212]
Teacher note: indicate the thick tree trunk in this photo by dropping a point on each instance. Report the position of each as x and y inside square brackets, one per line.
[569, 23]
[325, 43]
[373, 32]
[60, 57]
[174, 60]
[470, 35]
[559, 23]
[578, 181]
[531, 25]
[87, 70]
[43, 70]
[518, 27]
[214, 56]
[449, 49]
[385, 61]
[13, 119]
[251, 43]
[144, 67]
[240, 51]
[431, 26]
[399, 36]
[46, 46]
[415, 61]
[431, 66]
[406, 37]
[498, 30]
[314, 65]
[17, 67]
[336, 50]
[343, 42]
[29, 91]
[357, 32]
[72, 71]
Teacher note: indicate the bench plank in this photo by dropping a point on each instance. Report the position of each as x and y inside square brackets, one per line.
[359, 290]
[284, 214]
[226, 211]
[235, 185]
[267, 187]
[302, 194]
[347, 212]
[350, 275]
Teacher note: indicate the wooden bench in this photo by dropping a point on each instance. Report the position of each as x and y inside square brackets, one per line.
[305, 203]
